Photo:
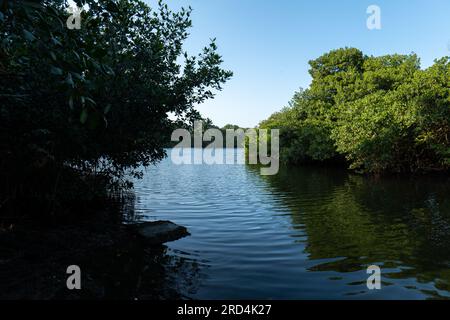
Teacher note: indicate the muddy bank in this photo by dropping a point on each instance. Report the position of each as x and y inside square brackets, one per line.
[115, 263]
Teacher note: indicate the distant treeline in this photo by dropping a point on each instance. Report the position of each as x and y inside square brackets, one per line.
[375, 114]
[206, 124]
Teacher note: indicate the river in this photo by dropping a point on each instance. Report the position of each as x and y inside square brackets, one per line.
[305, 233]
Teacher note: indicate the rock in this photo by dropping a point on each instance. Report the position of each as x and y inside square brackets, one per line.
[159, 232]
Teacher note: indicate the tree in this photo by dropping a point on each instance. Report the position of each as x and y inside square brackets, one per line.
[95, 102]
[380, 113]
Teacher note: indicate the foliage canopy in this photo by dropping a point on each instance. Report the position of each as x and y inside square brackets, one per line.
[382, 114]
[95, 101]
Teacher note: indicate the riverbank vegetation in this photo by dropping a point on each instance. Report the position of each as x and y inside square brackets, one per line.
[81, 110]
[203, 125]
[374, 114]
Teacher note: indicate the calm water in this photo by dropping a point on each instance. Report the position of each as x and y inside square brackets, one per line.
[306, 233]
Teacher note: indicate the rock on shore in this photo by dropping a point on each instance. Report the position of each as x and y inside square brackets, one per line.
[159, 232]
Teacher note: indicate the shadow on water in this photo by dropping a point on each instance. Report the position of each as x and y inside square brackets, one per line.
[161, 272]
[401, 224]
[114, 265]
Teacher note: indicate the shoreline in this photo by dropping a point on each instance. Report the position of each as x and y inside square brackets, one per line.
[114, 263]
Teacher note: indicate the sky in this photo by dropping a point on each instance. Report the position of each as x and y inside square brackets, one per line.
[268, 43]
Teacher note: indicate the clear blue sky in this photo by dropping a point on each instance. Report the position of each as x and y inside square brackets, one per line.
[268, 43]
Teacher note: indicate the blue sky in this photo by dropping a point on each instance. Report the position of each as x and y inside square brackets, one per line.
[268, 43]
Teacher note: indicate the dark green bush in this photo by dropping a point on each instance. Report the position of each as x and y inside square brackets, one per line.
[95, 101]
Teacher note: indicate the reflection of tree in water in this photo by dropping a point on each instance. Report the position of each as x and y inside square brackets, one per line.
[398, 222]
[114, 265]
[152, 274]
[157, 272]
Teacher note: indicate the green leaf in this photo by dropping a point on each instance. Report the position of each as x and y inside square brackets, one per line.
[76, 54]
[28, 35]
[71, 102]
[56, 41]
[90, 100]
[77, 76]
[69, 80]
[83, 116]
[107, 109]
[56, 71]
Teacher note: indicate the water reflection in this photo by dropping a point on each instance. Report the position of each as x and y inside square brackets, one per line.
[306, 233]
[401, 224]
[114, 265]
[149, 273]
